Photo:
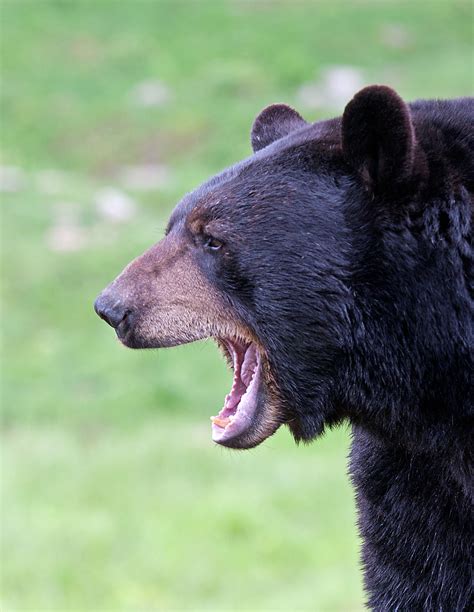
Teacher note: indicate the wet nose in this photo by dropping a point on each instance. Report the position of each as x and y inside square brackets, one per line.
[112, 311]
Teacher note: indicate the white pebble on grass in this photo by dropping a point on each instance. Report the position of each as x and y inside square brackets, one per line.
[334, 89]
[51, 181]
[396, 36]
[66, 238]
[66, 235]
[114, 205]
[12, 179]
[151, 93]
[147, 177]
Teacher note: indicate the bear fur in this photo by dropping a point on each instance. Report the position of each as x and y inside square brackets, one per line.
[345, 246]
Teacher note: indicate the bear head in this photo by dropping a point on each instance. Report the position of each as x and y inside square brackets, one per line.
[310, 265]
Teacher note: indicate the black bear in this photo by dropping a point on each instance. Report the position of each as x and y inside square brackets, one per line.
[334, 268]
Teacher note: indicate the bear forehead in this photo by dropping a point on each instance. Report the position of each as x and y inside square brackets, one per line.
[324, 138]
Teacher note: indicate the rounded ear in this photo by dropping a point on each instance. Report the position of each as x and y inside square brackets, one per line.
[378, 139]
[273, 123]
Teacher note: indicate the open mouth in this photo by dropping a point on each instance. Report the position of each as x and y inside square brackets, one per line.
[240, 405]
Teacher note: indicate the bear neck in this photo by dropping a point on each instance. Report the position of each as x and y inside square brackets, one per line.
[410, 370]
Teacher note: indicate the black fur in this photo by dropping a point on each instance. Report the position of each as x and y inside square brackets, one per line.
[273, 123]
[349, 254]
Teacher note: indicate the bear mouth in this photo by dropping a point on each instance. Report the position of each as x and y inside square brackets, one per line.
[252, 409]
[239, 412]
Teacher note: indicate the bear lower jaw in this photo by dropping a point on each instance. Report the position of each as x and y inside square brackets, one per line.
[240, 405]
[247, 417]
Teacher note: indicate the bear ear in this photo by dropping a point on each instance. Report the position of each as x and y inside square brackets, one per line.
[378, 138]
[273, 123]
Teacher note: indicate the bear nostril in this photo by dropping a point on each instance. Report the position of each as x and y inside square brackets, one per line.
[113, 315]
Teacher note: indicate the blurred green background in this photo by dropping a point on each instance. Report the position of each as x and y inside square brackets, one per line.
[114, 497]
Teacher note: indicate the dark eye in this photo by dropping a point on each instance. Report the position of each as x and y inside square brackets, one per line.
[212, 244]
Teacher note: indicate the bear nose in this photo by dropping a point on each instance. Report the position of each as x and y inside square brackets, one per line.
[112, 311]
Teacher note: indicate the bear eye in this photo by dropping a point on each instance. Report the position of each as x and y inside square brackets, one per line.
[212, 244]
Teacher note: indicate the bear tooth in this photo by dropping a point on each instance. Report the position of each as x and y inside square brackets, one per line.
[221, 422]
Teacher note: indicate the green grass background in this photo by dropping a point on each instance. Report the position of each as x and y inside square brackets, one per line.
[113, 496]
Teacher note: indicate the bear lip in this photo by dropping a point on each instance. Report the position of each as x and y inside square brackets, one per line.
[240, 405]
